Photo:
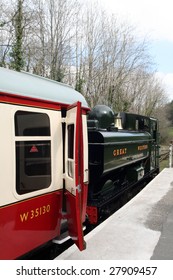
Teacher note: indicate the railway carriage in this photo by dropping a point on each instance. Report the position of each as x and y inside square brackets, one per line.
[43, 159]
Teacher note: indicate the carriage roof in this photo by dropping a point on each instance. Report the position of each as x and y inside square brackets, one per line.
[33, 86]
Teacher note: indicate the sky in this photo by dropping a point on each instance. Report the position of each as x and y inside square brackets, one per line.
[154, 19]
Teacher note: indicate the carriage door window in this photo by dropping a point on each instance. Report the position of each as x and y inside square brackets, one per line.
[33, 151]
[70, 129]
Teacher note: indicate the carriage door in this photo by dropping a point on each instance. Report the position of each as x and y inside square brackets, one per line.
[73, 173]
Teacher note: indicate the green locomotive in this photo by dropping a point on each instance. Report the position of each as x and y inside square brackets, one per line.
[123, 151]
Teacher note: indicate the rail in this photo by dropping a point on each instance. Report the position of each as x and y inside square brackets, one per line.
[164, 156]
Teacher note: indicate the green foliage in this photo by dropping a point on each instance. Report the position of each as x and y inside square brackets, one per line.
[79, 85]
[2, 24]
[59, 76]
[164, 164]
[17, 62]
[170, 133]
[169, 110]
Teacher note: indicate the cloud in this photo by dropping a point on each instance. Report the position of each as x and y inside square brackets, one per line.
[153, 17]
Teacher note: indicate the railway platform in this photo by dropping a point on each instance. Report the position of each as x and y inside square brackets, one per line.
[141, 230]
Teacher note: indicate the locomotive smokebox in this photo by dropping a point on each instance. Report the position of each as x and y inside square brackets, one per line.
[104, 115]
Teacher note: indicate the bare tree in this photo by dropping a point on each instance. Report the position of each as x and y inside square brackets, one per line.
[60, 31]
[77, 42]
[6, 32]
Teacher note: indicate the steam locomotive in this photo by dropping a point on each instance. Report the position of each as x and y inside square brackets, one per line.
[62, 162]
[123, 150]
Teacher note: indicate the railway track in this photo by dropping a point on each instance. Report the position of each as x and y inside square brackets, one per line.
[164, 156]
